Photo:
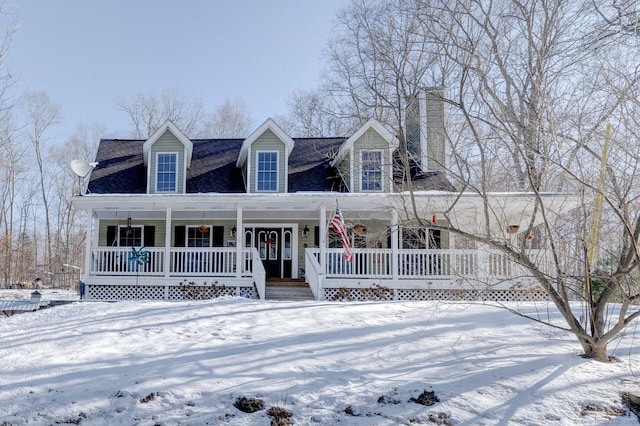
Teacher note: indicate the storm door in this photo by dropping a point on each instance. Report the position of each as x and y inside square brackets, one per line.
[274, 247]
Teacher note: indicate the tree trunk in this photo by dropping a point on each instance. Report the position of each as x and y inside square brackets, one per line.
[595, 350]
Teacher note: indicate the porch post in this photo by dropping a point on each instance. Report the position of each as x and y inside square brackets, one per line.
[239, 240]
[394, 244]
[167, 242]
[88, 245]
[323, 240]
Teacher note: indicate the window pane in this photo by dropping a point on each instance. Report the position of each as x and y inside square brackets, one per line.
[371, 170]
[197, 238]
[130, 237]
[267, 173]
[167, 166]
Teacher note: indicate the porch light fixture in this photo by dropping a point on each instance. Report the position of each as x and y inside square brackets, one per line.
[234, 231]
[129, 225]
[305, 232]
[512, 229]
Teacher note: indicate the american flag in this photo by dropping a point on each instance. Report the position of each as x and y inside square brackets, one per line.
[338, 224]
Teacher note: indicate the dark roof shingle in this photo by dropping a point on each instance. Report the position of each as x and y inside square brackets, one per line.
[213, 168]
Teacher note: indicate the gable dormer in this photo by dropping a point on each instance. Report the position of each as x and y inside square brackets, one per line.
[167, 155]
[365, 160]
[264, 159]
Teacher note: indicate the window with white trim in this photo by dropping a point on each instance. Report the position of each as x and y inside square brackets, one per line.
[267, 171]
[199, 236]
[371, 163]
[167, 172]
[130, 236]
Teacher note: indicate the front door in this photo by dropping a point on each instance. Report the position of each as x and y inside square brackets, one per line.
[275, 250]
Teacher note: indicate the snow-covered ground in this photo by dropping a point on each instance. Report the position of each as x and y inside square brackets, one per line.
[186, 363]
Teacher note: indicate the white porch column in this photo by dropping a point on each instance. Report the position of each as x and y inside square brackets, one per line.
[239, 243]
[88, 242]
[167, 242]
[394, 244]
[323, 240]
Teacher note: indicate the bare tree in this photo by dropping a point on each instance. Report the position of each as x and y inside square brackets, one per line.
[311, 114]
[41, 116]
[148, 112]
[8, 28]
[530, 91]
[229, 120]
[14, 175]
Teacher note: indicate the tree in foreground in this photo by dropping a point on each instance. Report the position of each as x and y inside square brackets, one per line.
[530, 87]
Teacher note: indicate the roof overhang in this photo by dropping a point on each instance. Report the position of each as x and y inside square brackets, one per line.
[466, 211]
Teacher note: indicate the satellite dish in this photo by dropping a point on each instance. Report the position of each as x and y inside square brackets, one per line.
[82, 169]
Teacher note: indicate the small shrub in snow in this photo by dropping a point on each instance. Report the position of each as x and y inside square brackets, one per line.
[280, 416]
[426, 398]
[349, 410]
[440, 419]
[387, 400]
[148, 398]
[249, 405]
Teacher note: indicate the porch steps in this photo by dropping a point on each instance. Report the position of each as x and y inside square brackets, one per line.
[288, 290]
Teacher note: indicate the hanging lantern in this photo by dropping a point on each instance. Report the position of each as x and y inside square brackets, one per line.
[129, 229]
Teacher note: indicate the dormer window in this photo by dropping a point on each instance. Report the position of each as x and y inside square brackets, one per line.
[267, 171]
[166, 172]
[371, 161]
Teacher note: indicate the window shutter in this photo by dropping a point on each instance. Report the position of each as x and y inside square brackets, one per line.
[180, 233]
[112, 233]
[150, 236]
[316, 236]
[217, 236]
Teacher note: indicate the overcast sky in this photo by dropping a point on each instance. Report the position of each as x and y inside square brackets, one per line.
[85, 54]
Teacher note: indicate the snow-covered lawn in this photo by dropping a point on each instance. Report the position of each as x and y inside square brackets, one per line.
[187, 363]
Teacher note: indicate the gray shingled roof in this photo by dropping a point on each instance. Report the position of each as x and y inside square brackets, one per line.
[213, 167]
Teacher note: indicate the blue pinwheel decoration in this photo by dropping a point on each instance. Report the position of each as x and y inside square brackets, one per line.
[140, 257]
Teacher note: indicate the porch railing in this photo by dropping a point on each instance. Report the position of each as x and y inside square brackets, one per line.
[183, 261]
[416, 264]
[486, 266]
[122, 261]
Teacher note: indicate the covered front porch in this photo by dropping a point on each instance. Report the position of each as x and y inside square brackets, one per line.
[208, 245]
[373, 274]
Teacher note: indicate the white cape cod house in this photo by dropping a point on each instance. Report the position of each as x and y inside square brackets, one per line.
[173, 218]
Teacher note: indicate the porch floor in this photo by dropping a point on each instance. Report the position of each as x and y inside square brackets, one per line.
[288, 290]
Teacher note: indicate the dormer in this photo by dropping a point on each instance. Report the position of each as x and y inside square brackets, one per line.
[264, 159]
[365, 160]
[167, 155]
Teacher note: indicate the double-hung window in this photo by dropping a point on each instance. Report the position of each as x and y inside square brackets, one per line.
[267, 173]
[167, 174]
[199, 236]
[130, 236]
[371, 163]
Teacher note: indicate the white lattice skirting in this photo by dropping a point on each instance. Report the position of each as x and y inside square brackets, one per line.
[381, 293]
[162, 292]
